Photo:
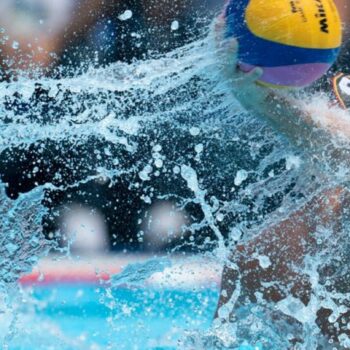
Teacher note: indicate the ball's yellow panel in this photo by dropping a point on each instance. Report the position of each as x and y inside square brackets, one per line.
[302, 23]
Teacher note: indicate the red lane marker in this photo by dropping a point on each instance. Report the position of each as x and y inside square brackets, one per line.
[37, 278]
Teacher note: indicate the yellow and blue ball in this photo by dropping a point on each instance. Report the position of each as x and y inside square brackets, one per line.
[294, 41]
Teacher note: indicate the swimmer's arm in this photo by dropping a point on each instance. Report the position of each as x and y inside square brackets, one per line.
[287, 114]
[282, 112]
[312, 126]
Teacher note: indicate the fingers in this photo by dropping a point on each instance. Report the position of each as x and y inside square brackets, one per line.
[222, 43]
[242, 81]
[229, 47]
[228, 58]
[219, 30]
[227, 50]
[251, 77]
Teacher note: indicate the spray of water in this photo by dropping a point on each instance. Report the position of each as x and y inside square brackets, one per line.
[170, 127]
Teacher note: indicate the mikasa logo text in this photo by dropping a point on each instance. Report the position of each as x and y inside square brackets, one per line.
[323, 17]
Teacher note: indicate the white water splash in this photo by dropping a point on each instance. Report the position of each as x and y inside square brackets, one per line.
[171, 105]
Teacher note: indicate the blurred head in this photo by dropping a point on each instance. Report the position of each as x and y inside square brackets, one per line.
[164, 225]
[29, 31]
[84, 231]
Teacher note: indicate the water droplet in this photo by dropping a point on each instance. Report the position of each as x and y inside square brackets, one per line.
[195, 131]
[15, 45]
[158, 163]
[199, 148]
[190, 175]
[264, 261]
[107, 152]
[175, 25]
[220, 217]
[241, 176]
[144, 174]
[125, 15]
[157, 148]
[176, 169]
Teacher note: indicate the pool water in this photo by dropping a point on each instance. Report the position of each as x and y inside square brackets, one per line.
[95, 317]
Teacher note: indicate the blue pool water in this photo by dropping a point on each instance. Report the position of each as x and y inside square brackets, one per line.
[88, 317]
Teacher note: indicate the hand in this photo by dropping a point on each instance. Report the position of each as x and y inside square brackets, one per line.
[276, 106]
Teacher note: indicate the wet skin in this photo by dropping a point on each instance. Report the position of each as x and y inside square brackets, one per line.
[287, 242]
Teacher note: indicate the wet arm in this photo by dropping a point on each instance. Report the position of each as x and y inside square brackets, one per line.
[285, 244]
[284, 110]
